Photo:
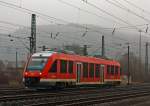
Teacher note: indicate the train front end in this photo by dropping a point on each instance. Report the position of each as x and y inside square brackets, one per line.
[34, 69]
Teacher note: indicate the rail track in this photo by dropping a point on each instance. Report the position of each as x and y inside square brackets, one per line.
[76, 97]
[14, 91]
[21, 90]
[95, 99]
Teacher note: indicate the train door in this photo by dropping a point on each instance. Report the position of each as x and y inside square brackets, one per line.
[78, 72]
[102, 73]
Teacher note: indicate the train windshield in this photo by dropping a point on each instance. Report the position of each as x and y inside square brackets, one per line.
[37, 63]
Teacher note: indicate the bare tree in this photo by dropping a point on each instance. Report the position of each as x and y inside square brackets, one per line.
[2, 65]
[137, 75]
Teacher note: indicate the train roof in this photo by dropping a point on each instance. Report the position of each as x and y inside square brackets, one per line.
[43, 54]
[72, 56]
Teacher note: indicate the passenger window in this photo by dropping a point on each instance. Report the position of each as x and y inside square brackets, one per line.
[116, 70]
[108, 69]
[85, 70]
[97, 70]
[54, 67]
[70, 67]
[63, 66]
[91, 73]
[112, 70]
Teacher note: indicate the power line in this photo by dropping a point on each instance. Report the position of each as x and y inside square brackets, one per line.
[11, 36]
[69, 4]
[18, 38]
[102, 10]
[105, 28]
[21, 38]
[30, 29]
[32, 11]
[131, 27]
[112, 15]
[143, 10]
[18, 25]
[12, 24]
[41, 14]
[29, 10]
[128, 10]
[86, 11]
[48, 32]
[25, 44]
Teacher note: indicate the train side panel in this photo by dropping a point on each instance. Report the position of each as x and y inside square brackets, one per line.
[64, 69]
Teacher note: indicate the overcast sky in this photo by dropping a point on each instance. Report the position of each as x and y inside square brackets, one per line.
[59, 10]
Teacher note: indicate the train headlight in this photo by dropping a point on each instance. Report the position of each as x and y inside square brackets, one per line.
[40, 73]
[26, 73]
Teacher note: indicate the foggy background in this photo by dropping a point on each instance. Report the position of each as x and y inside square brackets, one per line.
[16, 21]
[74, 23]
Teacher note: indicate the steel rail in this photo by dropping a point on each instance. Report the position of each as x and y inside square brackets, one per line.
[95, 99]
[54, 97]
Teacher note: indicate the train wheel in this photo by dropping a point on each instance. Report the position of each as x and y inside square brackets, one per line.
[60, 85]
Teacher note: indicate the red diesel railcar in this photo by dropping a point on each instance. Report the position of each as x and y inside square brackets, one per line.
[48, 68]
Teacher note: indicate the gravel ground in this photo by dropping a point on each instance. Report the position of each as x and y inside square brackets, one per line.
[139, 101]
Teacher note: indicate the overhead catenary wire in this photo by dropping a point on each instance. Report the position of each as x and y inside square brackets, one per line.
[128, 10]
[12, 36]
[95, 31]
[69, 4]
[26, 38]
[48, 32]
[18, 25]
[32, 11]
[38, 13]
[60, 33]
[24, 43]
[17, 37]
[21, 38]
[86, 11]
[132, 4]
[112, 15]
